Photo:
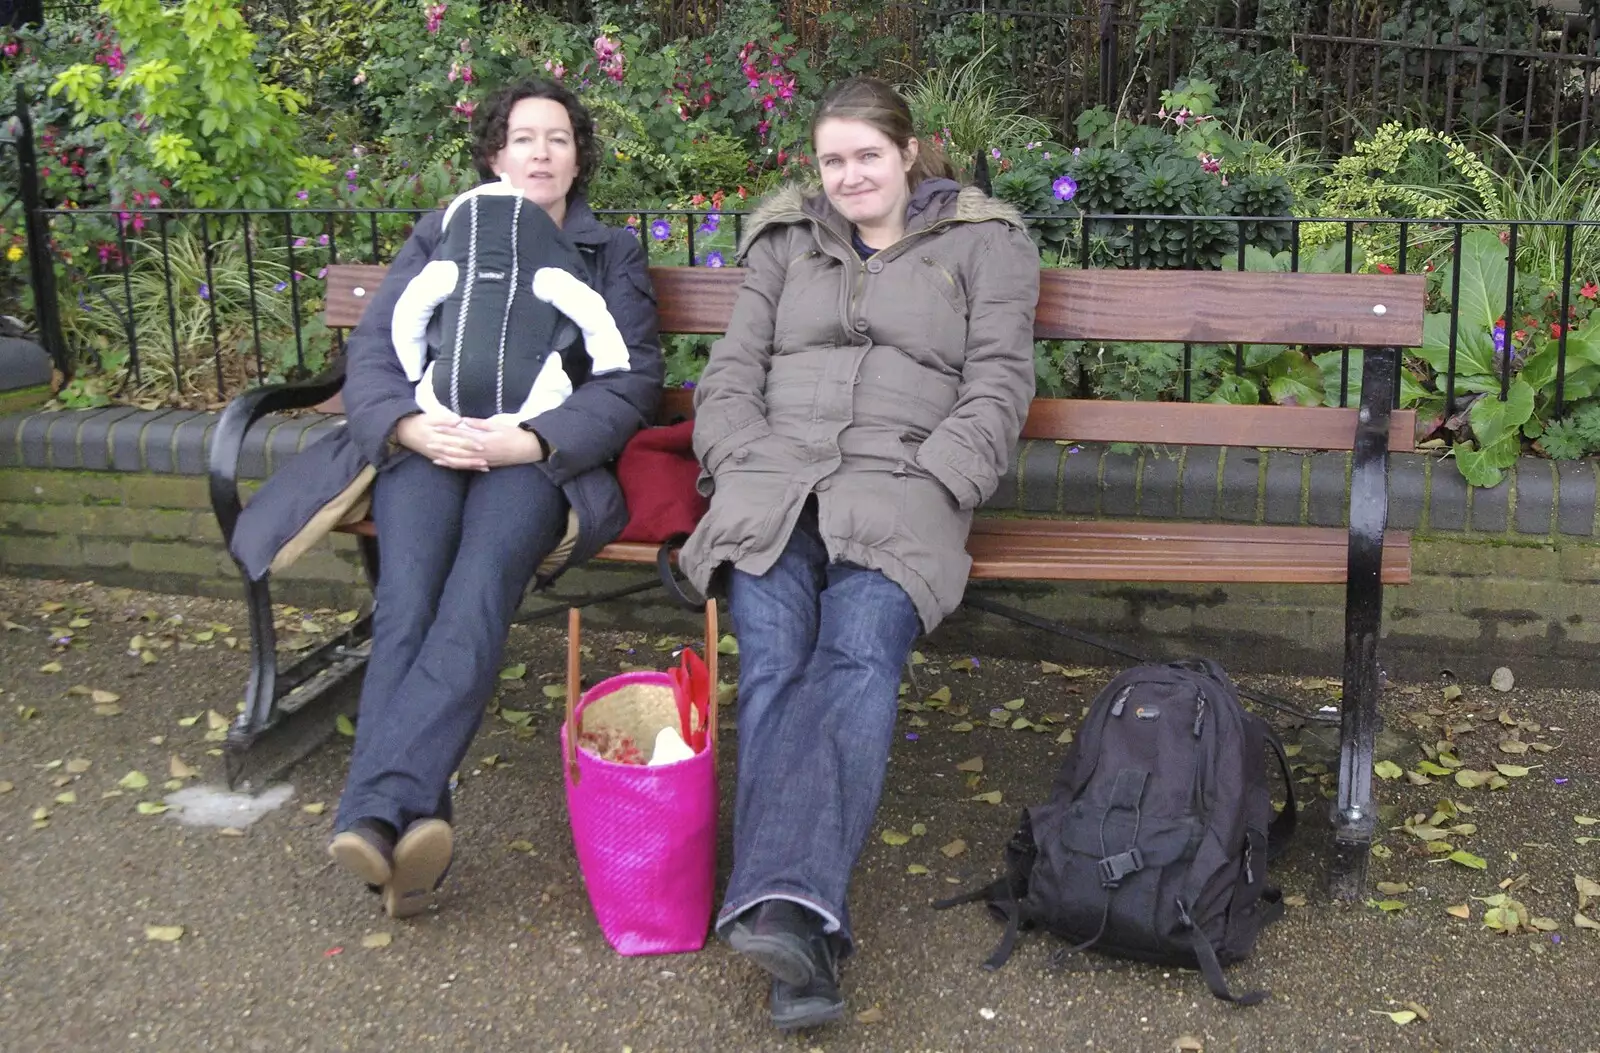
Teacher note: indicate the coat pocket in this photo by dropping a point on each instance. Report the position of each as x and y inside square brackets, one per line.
[942, 280]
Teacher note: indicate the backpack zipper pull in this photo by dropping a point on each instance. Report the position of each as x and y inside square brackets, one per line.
[1199, 714]
[1122, 697]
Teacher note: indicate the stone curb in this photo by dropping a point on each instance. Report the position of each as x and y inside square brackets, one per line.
[1537, 498]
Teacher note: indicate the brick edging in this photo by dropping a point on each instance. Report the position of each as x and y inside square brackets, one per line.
[1536, 499]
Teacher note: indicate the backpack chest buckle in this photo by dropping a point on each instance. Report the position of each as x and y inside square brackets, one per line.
[1114, 868]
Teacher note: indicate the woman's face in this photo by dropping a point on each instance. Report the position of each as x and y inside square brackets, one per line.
[540, 157]
[863, 171]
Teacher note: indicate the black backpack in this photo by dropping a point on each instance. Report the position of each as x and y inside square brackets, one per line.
[1155, 840]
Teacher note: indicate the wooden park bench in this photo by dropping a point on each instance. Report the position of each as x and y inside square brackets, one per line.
[1378, 314]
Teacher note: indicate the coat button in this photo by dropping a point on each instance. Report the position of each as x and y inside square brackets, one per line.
[740, 455]
[861, 324]
[875, 266]
[823, 485]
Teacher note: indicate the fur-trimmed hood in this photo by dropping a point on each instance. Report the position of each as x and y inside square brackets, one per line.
[933, 201]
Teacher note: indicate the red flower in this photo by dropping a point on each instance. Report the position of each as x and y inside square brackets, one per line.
[741, 192]
[1555, 331]
[1520, 336]
[1384, 268]
[1590, 291]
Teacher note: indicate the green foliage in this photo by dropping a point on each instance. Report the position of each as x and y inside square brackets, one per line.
[1505, 374]
[189, 108]
[971, 107]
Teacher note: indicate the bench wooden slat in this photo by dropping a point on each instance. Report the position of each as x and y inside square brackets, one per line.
[1110, 550]
[1107, 550]
[1104, 305]
[1208, 424]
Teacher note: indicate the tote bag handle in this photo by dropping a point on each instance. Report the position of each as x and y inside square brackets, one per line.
[575, 682]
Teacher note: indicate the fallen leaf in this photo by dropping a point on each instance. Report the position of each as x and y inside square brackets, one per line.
[895, 837]
[1393, 888]
[941, 695]
[1513, 746]
[1388, 906]
[107, 710]
[1187, 1044]
[870, 1016]
[150, 808]
[1404, 1016]
[1429, 768]
[104, 697]
[916, 868]
[521, 846]
[1387, 770]
[964, 665]
[1467, 859]
[164, 933]
[1065, 737]
[1545, 924]
[231, 831]
[918, 658]
[1021, 724]
[1585, 820]
[7, 787]
[344, 725]
[960, 726]
[1587, 890]
[1583, 921]
[1512, 771]
[1452, 692]
[1471, 780]
[189, 722]
[134, 780]
[373, 941]
[78, 765]
[50, 667]
[216, 721]
[918, 829]
[1419, 1009]
[1459, 911]
[514, 672]
[992, 797]
[179, 770]
[1382, 851]
[1416, 778]
[67, 798]
[728, 645]
[556, 691]
[314, 808]
[1294, 901]
[343, 618]
[954, 848]
[972, 764]
[520, 718]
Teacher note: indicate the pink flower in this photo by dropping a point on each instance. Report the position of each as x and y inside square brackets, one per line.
[435, 16]
[11, 49]
[359, 78]
[464, 108]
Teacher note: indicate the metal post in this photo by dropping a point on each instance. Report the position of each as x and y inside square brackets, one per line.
[41, 269]
[1108, 53]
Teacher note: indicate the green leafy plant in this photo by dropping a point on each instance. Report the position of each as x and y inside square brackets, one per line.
[971, 107]
[187, 107]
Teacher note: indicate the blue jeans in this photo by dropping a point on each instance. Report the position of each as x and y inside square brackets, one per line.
[821, 646]
[457, 551]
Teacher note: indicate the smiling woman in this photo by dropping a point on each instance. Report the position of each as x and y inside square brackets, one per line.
[867, 397]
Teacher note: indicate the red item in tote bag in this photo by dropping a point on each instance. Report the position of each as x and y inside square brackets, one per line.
[646, 836]
[657, 471]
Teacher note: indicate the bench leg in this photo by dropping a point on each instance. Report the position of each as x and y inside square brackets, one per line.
[261, 692]
[1355, 816]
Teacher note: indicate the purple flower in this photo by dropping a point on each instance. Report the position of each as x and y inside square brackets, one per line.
[1499, 338]
[1561, 782]
[661, 229]
[323, 273]
[995, 153]
[1065, 188]
[912, 736]
[688, 385]
[322, 239]
[713, 220]
[280, 287]
[299, 243]
[205, 291]
[714, 259]
[302, 195]
[631, 229]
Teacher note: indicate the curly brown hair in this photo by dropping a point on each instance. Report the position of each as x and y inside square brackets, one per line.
[491, 119]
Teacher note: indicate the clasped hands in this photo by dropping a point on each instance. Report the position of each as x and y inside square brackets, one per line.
[467, 443]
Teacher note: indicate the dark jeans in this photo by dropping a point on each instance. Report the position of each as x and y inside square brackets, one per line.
[821, 646]
[457, 552]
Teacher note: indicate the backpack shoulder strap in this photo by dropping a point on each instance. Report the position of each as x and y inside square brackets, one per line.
[1210, 967]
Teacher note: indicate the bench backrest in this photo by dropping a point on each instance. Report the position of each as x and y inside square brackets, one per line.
[1217, 307]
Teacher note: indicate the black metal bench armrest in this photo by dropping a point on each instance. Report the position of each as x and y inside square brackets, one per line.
[227, 439]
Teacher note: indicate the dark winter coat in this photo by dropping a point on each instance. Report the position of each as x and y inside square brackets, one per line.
[329, 482]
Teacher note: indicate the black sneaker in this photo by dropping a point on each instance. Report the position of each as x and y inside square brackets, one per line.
[783, 938]
[817, 1003]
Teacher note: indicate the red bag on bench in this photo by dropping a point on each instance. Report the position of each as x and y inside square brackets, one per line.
[657, 471]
